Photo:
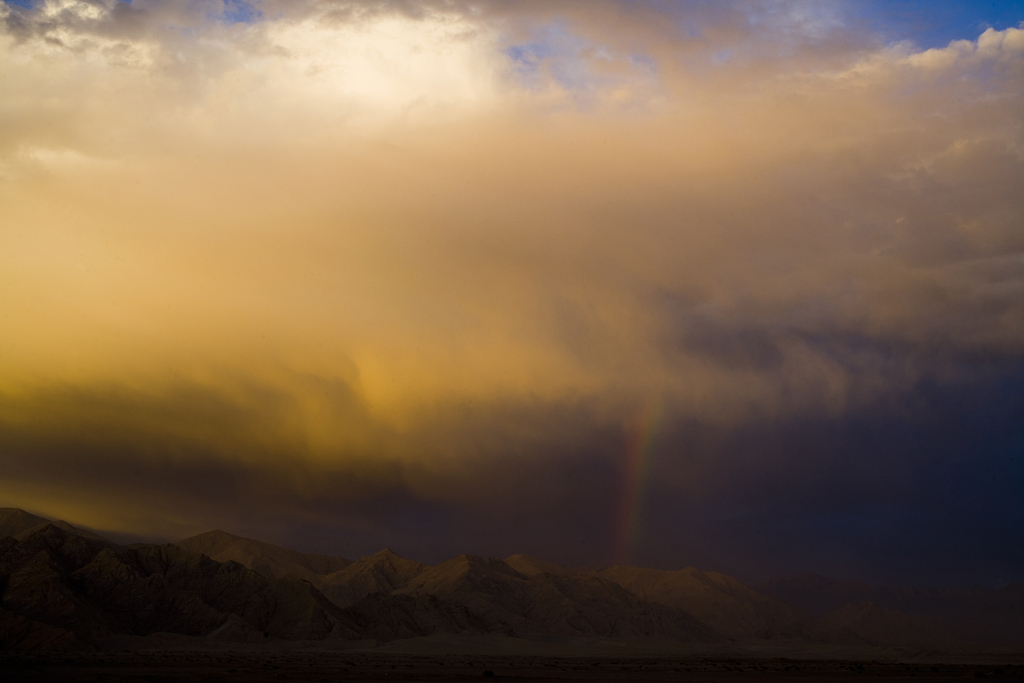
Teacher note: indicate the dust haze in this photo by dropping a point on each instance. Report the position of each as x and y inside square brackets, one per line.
[406, 273]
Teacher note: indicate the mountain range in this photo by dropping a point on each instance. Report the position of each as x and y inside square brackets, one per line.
[65, 587]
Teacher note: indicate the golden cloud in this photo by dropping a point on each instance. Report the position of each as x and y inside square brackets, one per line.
[340, 236]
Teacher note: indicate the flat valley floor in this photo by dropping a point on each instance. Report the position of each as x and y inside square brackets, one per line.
[335, 667]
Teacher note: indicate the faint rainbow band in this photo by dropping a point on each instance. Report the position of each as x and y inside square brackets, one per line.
[636, 469]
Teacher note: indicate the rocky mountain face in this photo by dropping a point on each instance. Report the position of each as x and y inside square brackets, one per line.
[18, 523]
[878, 613]
[565, 604]
[383, 572]
[13, 521]
[94, 589]
[62, 587]
[263, 558]
[727, 605]
[467, 595]
[867, 623]
[388, 617]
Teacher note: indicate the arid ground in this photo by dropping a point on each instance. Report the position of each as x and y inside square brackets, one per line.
[330, 666]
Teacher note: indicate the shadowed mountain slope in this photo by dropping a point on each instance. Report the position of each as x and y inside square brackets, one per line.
[382, 572]
[870, 624]
[551, 604]
[815, 595]
[723, 603]
[60, 588]
[93, 589]
[992, 615]
[263, 558]
[16, 522]
[18, 632]
[727, 605]
[388, 617]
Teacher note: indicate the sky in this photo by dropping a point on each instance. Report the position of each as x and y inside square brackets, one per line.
[737, 285]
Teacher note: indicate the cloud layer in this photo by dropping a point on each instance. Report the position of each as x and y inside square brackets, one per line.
[408, 273]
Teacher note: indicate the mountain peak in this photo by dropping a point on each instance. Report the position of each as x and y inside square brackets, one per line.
[215, 535]
[382, 572]
[385, 556]
[13, 521]
[17, 522]
[264, 558]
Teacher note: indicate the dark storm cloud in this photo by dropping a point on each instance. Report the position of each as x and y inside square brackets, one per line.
[925, 486]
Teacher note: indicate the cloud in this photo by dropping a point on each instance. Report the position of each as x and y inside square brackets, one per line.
[330, 254]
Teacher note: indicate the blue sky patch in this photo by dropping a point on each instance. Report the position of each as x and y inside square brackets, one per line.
[240, 12]
[937, 22]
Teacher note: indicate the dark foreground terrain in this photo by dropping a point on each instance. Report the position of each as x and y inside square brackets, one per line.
[321, 666]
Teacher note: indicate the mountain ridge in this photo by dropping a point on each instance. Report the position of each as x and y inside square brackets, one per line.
[16, 522]
[62, 587]
[264, 558]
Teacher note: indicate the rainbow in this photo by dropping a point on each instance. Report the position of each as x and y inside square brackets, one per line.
[635, 469]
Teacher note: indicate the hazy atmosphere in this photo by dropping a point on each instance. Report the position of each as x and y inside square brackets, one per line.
[737, 285]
